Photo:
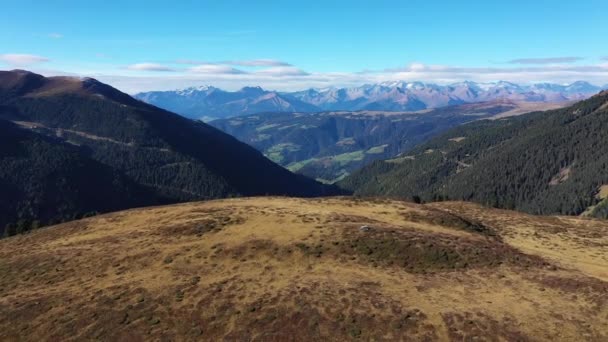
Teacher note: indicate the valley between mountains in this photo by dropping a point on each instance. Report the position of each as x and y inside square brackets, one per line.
[329, 146]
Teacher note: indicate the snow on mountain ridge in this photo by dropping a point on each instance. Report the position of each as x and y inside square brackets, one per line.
[208, 101]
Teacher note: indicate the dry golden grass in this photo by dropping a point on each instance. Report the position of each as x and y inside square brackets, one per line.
[295, 269]
[603, 192]
[527, 107]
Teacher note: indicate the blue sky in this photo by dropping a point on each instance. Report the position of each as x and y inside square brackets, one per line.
[287, 45]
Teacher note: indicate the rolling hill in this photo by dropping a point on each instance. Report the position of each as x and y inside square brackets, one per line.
[551, 162]
[332, 269]
[328, 146]
[81, 129]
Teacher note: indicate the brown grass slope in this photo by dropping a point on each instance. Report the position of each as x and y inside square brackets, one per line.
[283, 269]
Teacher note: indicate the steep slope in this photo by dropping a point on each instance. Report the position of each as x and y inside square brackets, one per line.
[329, 145]
[179, 159]
[44, 180]
[542, 163]
[335, 269]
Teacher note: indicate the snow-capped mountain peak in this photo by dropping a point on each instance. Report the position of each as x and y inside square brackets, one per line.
[193, 90]
[207, 101]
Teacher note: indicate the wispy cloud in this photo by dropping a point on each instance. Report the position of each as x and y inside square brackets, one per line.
[260, 63]
[149, 67]
[288, 78]
[55, 35]
[282, 71]
[248, 63]
[215, 69]
[192, 61]
[550, 60]
[17, 59]
[532, 70]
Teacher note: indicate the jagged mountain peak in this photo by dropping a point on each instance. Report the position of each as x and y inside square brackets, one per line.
[396, 95]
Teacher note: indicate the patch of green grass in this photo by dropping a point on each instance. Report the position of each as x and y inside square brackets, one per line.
[346, 158]
[601, 209]
[265, 127]
[346, 141]
[343, 174]
[377, 149]
[275, 153]
[339, 159]
[400, 160]
[261, 137]
[307, 126]
[286, 127]
[296, 166]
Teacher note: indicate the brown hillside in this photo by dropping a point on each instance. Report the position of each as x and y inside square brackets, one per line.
[282, 269]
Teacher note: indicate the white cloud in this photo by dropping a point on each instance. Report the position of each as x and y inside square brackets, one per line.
[16, 59]
[260, 63]
[285, 78]
[282, 71]
[55, 35]
[550, 60]
[417, 67]
[215, 69]
[248, 63]
[149, 67]
[191, 61]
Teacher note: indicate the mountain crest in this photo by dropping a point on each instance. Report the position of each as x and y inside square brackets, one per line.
[390, 96]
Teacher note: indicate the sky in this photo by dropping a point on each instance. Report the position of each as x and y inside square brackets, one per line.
[293, 45]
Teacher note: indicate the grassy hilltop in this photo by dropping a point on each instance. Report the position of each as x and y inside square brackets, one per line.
[307, 269]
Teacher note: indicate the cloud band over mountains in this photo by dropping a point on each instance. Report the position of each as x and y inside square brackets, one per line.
[281, 75]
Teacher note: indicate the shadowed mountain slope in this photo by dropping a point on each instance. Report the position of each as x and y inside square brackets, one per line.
[175, 158]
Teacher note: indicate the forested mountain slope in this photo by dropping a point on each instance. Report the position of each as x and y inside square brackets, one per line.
[552, 162]
[176, 158]
[44, 180]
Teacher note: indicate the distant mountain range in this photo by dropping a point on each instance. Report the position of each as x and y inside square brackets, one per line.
[74, 146]
[208, 103]
[551, 162]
